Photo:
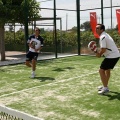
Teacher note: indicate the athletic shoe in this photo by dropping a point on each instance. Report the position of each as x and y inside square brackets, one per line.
[103, 91]
[32, 76]
[100, 88]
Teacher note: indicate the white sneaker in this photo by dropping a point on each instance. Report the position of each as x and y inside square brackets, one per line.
[32, 76]
[103, 91]
[100, 88]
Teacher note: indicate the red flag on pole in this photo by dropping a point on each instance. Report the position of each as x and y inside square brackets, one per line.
[93, 23]
[118, 19]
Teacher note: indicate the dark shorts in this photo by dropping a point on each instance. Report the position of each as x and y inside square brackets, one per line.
[109, 63]
[31, 55]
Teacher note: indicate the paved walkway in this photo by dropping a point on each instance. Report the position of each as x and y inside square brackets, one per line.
[16, 57]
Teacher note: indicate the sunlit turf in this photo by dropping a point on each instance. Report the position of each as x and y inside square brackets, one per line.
[64, 89]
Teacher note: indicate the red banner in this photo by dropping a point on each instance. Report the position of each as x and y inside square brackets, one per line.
[118, 19]
[93, 23]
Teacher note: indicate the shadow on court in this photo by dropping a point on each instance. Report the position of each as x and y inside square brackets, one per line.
[113, 95]
[2, 70]
[42, 79]
[63, 69]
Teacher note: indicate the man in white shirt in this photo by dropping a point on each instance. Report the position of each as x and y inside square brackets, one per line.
[35, 43]
[109, 50]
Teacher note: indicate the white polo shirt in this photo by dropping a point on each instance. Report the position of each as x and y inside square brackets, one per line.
[107, 42]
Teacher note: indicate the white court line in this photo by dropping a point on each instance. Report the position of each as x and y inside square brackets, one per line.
[64, 80]
[50, 83]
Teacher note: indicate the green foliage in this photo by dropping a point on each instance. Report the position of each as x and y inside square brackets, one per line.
[17, 38]
[67, 39]
[15, 10]
[48, 37]
[86, 25]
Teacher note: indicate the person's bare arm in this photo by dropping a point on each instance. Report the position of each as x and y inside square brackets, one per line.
[38, 48]
[99, 54]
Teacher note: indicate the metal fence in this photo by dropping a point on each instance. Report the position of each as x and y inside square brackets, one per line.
[62, 37]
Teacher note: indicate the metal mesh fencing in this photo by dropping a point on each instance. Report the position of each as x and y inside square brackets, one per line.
[66, 26]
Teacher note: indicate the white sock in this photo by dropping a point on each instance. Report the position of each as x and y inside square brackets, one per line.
[105, 88]
[33, 72]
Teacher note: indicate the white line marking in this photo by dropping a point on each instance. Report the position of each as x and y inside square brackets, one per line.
[5, 95]
[64, 80]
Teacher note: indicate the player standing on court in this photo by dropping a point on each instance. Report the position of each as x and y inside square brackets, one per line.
[111, 54]
[35, 43]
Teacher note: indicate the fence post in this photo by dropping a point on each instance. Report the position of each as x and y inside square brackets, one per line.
[78, 24]
[26, 24]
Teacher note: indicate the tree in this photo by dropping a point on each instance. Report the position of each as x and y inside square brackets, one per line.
[74, 28]
[13, 11]
[86, 25]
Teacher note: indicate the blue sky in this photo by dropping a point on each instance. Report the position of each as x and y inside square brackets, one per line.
[69, 17]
